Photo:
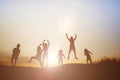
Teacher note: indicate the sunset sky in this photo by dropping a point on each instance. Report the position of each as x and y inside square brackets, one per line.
[29, 22]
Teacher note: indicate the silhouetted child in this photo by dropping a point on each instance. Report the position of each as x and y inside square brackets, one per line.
[38, 55]
[60, 57]
[72, 46]
[15, 55]
[45, 49]
[88, 56]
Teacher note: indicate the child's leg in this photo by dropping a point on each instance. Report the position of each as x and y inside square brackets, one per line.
[90, 61]
[69, 53]
[39, 59]
[61, 61]
[34, 57]
[16, 58]
[87, 61]
[75, 53]
[43, 59]
[47, 59]
[12, 61]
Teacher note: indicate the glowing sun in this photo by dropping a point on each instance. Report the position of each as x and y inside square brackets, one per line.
[52, 59]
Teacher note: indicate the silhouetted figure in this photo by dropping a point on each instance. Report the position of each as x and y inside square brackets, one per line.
[15, 55]
[45, 49]
[38, 55]
[88, 56]
[60, 57]
[72, 46]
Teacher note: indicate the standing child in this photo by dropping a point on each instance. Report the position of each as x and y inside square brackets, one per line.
[15, 55]
[45, 51]
[88, 56]
[60, 57]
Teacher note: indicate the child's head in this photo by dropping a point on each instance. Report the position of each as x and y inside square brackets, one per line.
[60, 50]
[18, 45]
[71, 37]
[39, 48]
[45, 44]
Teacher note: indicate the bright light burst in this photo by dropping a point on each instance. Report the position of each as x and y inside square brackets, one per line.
[53, 59]
[67, 21]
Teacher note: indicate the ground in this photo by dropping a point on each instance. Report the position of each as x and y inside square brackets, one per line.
[65, 72]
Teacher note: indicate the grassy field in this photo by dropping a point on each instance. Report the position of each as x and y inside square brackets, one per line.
[65, 72]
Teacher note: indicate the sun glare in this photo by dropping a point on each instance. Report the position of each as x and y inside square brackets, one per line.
[52, 61]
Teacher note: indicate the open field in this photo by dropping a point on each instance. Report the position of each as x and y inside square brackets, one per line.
[65, 72]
